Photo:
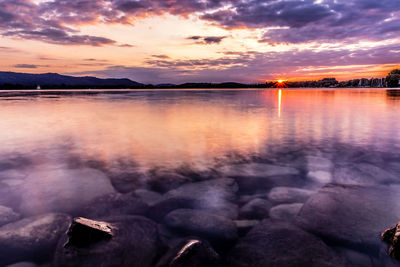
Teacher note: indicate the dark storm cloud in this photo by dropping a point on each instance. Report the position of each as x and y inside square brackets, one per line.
[207, 39]
[25, 66]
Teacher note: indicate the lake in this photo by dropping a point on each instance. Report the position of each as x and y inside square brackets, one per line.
[290, 177]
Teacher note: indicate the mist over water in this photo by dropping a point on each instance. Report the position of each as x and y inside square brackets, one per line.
[59, 151]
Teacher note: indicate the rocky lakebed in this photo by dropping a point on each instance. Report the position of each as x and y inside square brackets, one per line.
[323, 207]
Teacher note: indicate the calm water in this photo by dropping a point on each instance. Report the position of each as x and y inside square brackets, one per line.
[51, 142]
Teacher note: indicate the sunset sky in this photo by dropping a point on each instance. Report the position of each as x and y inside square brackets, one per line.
[176, 41]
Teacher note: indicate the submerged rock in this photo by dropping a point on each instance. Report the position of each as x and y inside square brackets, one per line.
[351, 216]
[280, 244]
[318, 164]
[216, 229]
[33, 238]
[243, 226]
[321, 177]
[126, 241]
[7, 215]
[147, 196]
[190, 252]
[257, 170]
[285, 212]
[212, 196]
[60, 190]
[257, 208]
[113, 205]
[289, 195]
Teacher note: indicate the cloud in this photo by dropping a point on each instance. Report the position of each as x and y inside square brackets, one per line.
[25, 66]
[207, 39]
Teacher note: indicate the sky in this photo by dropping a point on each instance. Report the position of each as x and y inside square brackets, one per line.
[177, 41]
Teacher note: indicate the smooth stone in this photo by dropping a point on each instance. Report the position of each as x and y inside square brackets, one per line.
[127, 182]
[243, 226]
[281, 244]
[285, 212]
[190, 252]
[7, 215]
[32, 238]
[134, 243]
[257, 208]
[262, 185]
[60, 190]
[147, 196]
[164, 181]
[209, 226]
[289, 194]
[322, 177]
[352, 216]
[378, 173]
[212, 195]
[350, 175]
[113, 205]
[257, 170]
[23, 264]
[318, 164]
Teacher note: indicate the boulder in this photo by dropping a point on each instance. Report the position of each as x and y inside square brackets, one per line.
[190, 252]
[289, 195]
[244, 226]
[391, 236]
[285, 212]
[61, 190]
[133, 241]
[257, 208]
[318, 164]
[216, 229]
[166, 180]
[32, 239]
[212, 195]
[351, 216]
[113, 205]
[321, 177]
[126, 182]
[281, 244]
[7, 215]
[147, 196]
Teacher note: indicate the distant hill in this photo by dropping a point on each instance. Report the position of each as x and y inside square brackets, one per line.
[11, 80]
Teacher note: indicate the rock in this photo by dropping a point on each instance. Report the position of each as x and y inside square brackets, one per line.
[243, 226]
[190, 252]
[391, 236]
[113, 205]
[352, 216]
[280, 244]
[212, 195]
[318, 164]
[127, 182]
[322, 177]
[61, 190]
[257, 208]
[33, 238]
[23, 264]
[289, 195]
[147, 196]
[165, 180]
[358, 259]
[285, 212]
[216, 229]
[257, 170]
[363, 174]
[134, 242]
[7, 215]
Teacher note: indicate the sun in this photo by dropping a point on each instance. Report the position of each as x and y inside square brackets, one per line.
[280, 84]
[280, 81]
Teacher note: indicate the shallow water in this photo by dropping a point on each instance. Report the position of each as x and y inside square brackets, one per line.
[60, 151]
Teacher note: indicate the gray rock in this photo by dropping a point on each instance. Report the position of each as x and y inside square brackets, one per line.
[289, 195]
[285, 212]
[61, 190]
[280, 244]
[163, 180]
[212, 195]
[32, 239]
[147, 196]
[7, 215]
[352, 216]
[257, 208]
[318, 164]
[190, 252]
[257, 170]
[113, 205]
[216, 229]
[134, 243]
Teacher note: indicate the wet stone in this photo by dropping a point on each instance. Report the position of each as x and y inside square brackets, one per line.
[190, 252]
[23, 264]
[218, 230]
[280, 244]
[133, 242]
[285, 212]
[321, 177]
[351, 216]
[147, 196]
[289, 195]
[392, 237]
[164, 181]
[7, 215]
[243, 226]
[32, 239]
[257, 170]
[257, 208]
[318, 164]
